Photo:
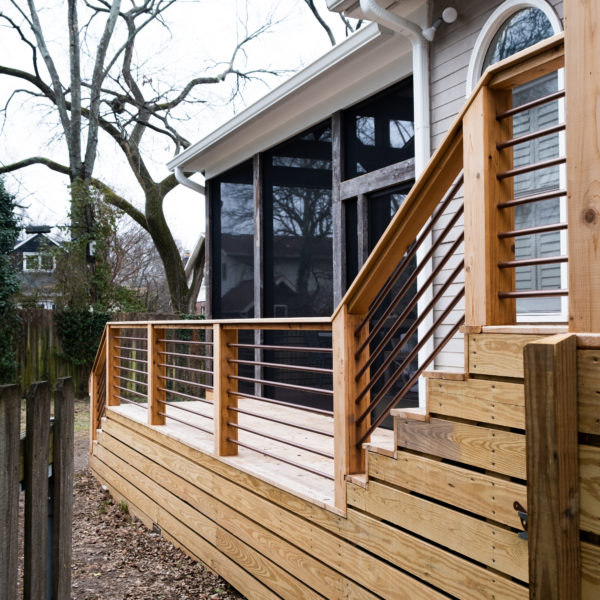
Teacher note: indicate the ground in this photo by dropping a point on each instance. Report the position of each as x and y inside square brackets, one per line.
[115, 557]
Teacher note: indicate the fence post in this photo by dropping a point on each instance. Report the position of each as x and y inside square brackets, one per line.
[35, 573]
[483, 220]
[10, 409]
[552, 468]
[112, 367]
[62, 476]
[348, 456]
[222, 352]
[156, 397]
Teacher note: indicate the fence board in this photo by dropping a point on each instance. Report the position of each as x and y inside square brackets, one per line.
[10, 403]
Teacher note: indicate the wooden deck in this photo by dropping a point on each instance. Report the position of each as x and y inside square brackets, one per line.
[295, 480]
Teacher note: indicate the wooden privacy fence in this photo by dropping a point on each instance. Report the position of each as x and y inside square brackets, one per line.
[41, 463]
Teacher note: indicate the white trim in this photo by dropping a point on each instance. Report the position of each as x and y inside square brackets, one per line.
[491, 26]
[40, 256]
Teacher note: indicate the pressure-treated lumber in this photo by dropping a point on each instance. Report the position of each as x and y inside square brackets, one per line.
[349, 457]
[10, 403]
[222, 354]
[589, 488]
[156, 374]
[487, 543]
[482, 400]
[552, 464]
[483, 220]
[582, 85]
[590, 571]
[588, 391]
[485, 495]
[496, 354]
[493, 449]
[112, 364]
[36, 491]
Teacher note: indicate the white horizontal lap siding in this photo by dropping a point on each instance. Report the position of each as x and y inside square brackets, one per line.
[450, 54]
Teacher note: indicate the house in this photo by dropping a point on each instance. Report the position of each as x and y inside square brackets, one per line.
[36, 264]
[463, 306]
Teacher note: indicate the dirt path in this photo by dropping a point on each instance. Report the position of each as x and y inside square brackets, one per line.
[115, 557]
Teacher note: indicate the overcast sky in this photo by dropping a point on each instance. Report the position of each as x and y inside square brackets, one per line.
[202, 31]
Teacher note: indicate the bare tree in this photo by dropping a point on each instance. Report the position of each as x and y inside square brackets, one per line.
[350, 25]
[120, 100]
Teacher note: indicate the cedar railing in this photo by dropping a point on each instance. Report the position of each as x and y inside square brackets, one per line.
[408, 301]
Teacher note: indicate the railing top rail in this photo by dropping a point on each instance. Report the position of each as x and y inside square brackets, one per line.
[440, 172]
[265, 323]
[100, 358]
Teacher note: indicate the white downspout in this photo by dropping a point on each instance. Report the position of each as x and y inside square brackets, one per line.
[188, 183]
[419, 38]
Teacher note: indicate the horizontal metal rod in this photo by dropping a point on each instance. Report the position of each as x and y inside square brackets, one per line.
[132, 380]
[191, 369]
[529, 105]
[129, 359]
[199, 427]
[544, 164]
[251, 413]
[132, 349]
[533, 198]
[532, 262]
[122, 368]
[183, 395]
[119, 387]
[310, 409]
[129, 401]
[126, 337]
[189, 410]
[258, 363]
[528, 137]
[199, 343]
[201, 385]
[281, 348]
[287, 386]
[532, 230]
[411, 252]
[282, 459]
[533, 293]
[181, 355]
[406, 387]
[281, 440]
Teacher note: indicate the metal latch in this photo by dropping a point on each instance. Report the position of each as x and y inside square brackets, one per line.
[523, 517]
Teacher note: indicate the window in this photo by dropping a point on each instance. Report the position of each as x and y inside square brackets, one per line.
[232, 245]
[35, 261]
[379, 131]
[298, 225]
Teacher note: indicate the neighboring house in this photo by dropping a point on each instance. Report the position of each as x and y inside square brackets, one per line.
[330, 154]
[36, 266]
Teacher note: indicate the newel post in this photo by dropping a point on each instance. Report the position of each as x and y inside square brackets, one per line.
[349, 455]
[156, 373]
[223, 352]
[112, 365]
[552, 468]
[483, 191]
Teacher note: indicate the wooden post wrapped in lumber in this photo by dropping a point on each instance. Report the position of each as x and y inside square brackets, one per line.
[483, 220]
[552, 468]
[156, 374]
[112, 365]
[348, 456]
[223, 415]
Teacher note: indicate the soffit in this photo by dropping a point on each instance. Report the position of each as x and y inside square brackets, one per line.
[370, 60]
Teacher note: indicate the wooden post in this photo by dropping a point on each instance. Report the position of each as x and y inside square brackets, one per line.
[63, 489]
[94, 400]
[10, 412]
[552, 468]
[582, 84]
[156, 397]
[483, 221]
[112, 365]
[348, 457]
[35, 572]
[222, 369]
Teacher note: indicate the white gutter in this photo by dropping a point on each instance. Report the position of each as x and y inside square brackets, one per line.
[188, 183]
[420, 56]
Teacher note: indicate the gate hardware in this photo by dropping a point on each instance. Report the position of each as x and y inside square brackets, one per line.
[524, 519]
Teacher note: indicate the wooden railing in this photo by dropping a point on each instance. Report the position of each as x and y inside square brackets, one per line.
[405, 305]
